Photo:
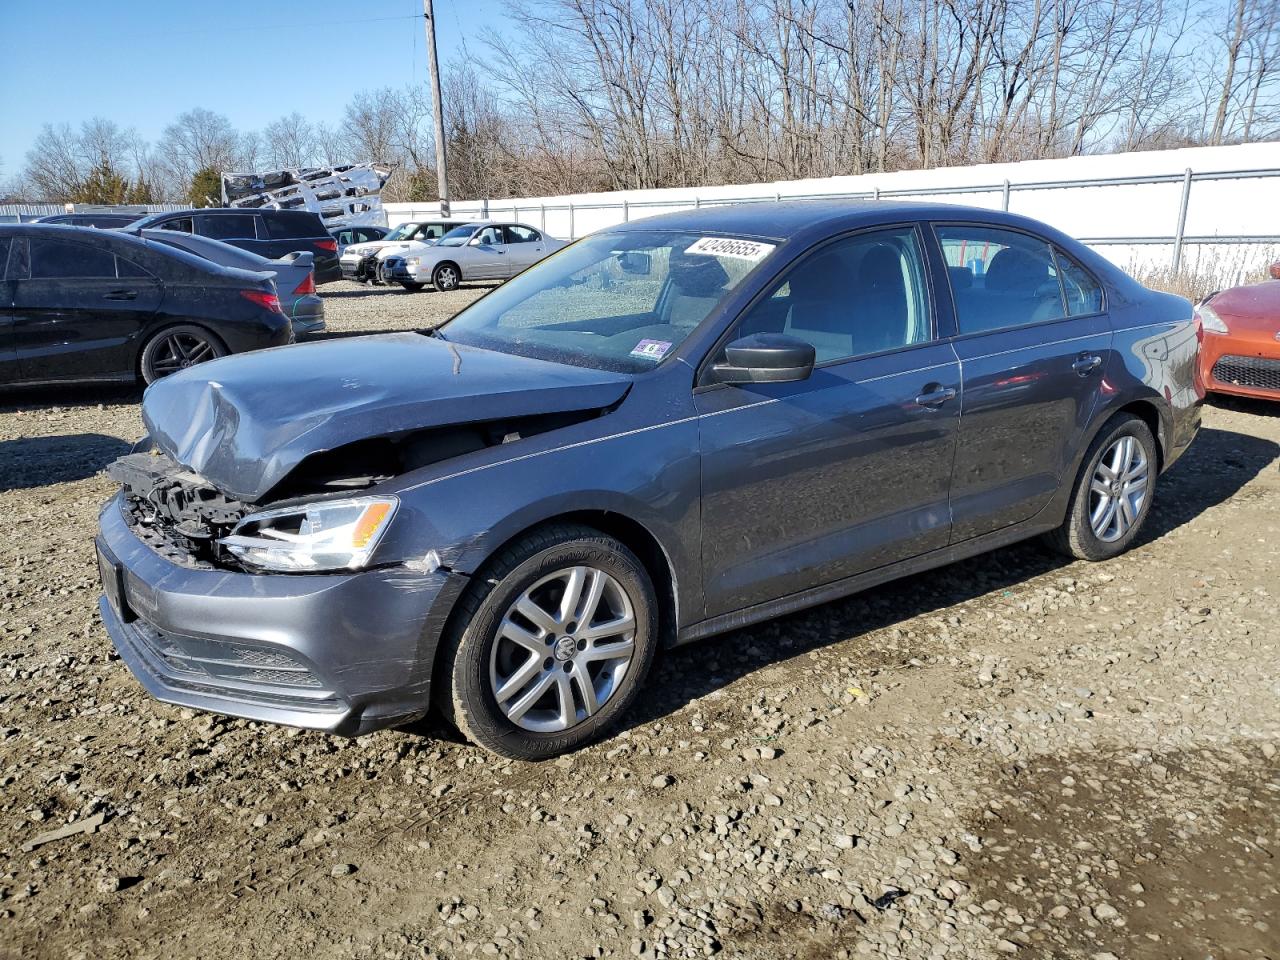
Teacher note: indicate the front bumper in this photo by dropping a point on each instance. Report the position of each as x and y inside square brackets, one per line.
[394, 270]
[360, 269]
[1244, 364]
[343, 653]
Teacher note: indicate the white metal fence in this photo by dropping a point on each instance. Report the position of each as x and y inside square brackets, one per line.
[1207, 208]
[24, 212]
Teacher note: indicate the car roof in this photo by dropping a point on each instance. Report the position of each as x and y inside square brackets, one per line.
[783, 220]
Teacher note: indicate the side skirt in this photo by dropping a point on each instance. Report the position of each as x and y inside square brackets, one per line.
[863, 581]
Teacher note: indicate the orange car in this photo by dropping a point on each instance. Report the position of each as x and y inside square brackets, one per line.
[1241, 349]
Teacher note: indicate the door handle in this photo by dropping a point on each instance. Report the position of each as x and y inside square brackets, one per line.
[1086, 363]
[121, 295]
[935, 395]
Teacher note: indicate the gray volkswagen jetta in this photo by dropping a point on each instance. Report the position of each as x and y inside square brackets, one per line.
[666, 430]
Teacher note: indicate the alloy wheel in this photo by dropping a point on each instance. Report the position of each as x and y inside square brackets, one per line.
[1118, 489]
[446, 278]
[179, 350]
[562, 649]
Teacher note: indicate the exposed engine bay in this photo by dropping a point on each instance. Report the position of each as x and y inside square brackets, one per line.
[182, 516]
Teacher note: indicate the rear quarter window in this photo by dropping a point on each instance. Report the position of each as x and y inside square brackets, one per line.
[293, 225]
[236, 226]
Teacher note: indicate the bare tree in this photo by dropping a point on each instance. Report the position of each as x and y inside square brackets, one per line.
[290, 141]
[199, 140]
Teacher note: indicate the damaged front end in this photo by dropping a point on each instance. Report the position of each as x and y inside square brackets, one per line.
[175, 512]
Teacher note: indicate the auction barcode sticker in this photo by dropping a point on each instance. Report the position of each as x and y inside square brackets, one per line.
[731, 247]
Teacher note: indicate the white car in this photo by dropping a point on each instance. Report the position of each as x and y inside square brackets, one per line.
[357, 259]
[486, 250]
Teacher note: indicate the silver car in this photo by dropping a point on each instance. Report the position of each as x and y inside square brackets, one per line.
[485, 250]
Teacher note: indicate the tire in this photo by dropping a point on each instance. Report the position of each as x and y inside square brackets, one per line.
[177, 348]
[1113, 492]
[445, 277]
[412, 287]
[482, 658]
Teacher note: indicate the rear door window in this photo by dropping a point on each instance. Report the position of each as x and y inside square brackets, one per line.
[518, 234]
[1000, 278]
[4, 255]
[228, 226]
[63, 260]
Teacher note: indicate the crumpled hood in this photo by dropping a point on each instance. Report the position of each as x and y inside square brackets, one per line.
[244, 422]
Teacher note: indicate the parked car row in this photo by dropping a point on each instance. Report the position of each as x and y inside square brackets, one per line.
[672, 428]
[445, 253]
[80, 303]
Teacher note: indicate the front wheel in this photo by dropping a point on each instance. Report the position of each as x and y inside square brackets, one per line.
[1113, 492]
[445, 277]
[176, 348]
[551, 644]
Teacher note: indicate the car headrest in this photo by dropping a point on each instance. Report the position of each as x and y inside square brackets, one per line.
[961, 278]
[880, 270]
[695, 275]
[824, 278]
[1016, 270]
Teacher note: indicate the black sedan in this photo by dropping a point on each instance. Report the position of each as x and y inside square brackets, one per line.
[78, 303]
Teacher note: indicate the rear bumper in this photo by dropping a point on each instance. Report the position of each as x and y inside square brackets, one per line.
[307, 315]
[343, 653]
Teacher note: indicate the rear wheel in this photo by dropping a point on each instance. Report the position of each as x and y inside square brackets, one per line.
[445, 277]
[551, 645]
[1113, 492]
[177, 348]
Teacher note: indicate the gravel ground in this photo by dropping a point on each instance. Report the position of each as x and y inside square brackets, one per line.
[353, 308]
[1010, 756]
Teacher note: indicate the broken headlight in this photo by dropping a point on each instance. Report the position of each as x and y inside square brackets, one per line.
[329, 535]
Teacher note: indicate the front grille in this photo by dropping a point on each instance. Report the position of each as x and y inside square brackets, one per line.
[1258, 373]
[212, 663]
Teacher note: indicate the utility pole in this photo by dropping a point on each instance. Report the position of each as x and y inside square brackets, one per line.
[442, 175]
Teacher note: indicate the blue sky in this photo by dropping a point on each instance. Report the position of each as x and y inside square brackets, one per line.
[143, 62]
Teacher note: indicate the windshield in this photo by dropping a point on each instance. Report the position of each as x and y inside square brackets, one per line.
[620, 301]
[144, 223]
[402, 231]
[457, 236]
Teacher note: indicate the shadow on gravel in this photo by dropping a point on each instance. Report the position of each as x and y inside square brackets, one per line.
[1257, 408]
[40, 461]
[1217, 466]
[68, 396]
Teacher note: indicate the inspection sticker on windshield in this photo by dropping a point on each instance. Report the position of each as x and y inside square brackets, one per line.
[731, 247]
[651, 349]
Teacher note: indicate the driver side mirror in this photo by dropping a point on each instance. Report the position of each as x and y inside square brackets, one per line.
[765, 358]
[475, 242]
[1274, 270]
